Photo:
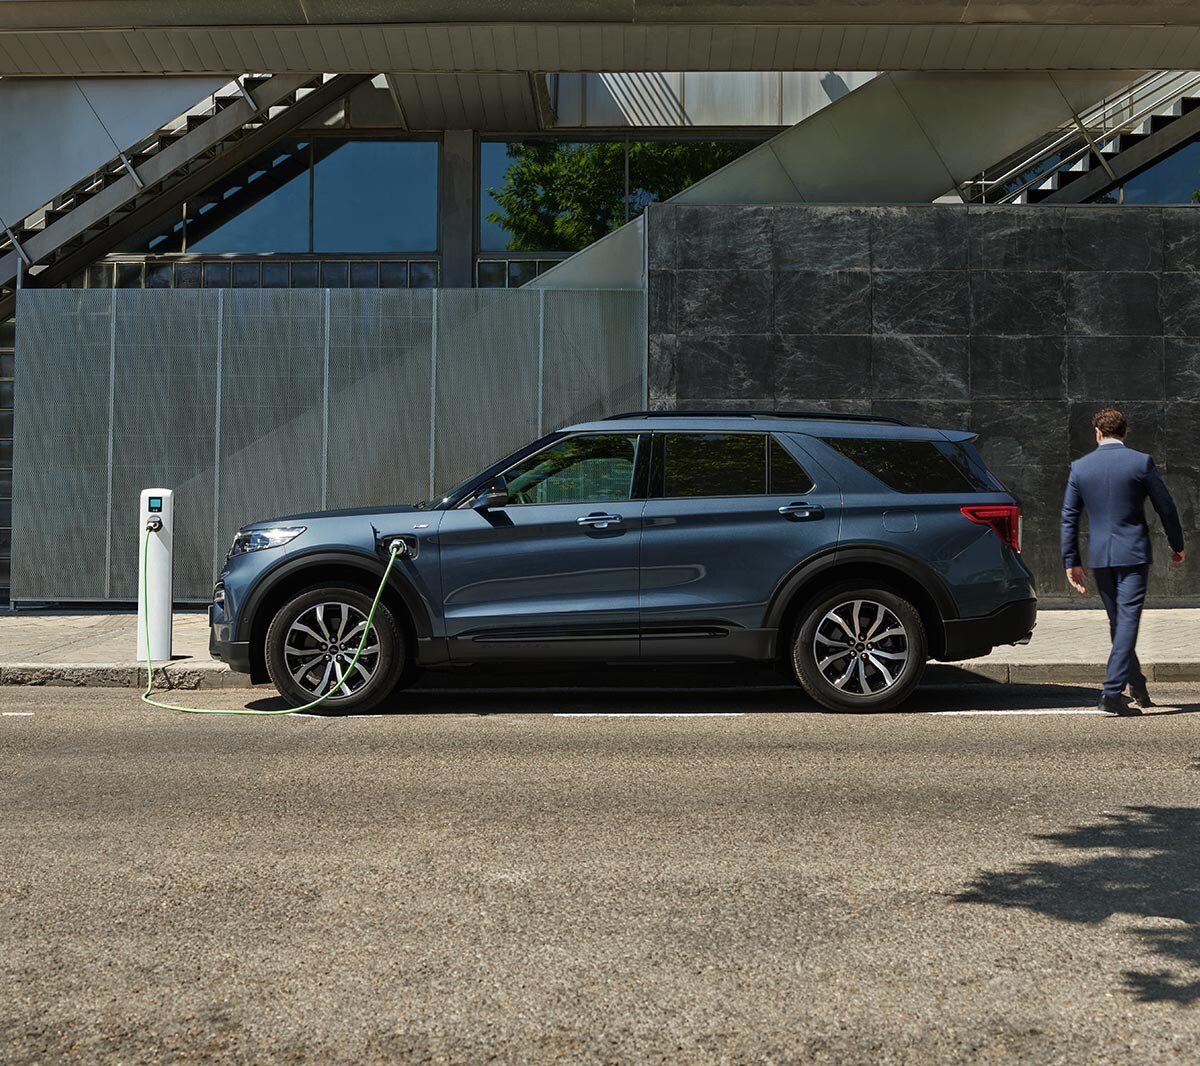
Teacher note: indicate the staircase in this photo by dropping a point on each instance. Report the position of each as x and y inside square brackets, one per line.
[1103, 147]
[173, 164]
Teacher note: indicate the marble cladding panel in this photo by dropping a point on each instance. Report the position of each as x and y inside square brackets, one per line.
[1015, 322]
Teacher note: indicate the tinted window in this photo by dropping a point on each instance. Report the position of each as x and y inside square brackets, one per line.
[576, 470]
[788, 477]
[912, 465]
[714, 464]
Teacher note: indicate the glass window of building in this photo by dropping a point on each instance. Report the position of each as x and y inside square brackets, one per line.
[660, 169]
[1174, 179]
[375, 195]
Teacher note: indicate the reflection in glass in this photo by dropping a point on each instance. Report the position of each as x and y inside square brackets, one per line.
[576, 470]
[100, 276]
[491, 274]
[393, 275]
[364, 275]
[275, 276]
[187, 275]
[521, 271]
[696, 465]
[129, 275]
[909, 465]
[158, 275]
[304, 275]
[245, 275]
[216, 275]
[787, 477]
[1174, 179]
[263, 207]
[335, 275]
[375, 196]
[422, 275]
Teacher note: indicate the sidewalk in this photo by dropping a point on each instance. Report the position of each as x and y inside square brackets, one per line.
[53, 648]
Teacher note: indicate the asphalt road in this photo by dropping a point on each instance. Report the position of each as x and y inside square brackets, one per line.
[750, 881]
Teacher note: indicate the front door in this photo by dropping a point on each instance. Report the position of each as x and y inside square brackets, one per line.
[553, 573]
[730, 515]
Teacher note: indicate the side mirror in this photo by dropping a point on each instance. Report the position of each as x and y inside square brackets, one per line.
[495, 496]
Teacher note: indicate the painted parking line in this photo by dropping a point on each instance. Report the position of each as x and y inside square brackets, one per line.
[17, 714]
[648, 714]
[1060, 710]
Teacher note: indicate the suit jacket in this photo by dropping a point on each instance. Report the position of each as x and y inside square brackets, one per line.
[1112, 484]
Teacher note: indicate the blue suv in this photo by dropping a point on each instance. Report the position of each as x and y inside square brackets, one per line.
[853, 548]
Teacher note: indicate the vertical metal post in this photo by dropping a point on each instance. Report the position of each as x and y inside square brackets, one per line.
[325, 413]
[217, 432]
[541, 354]
[112, 394]
[433, 393]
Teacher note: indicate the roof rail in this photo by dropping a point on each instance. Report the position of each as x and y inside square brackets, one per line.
[812, 416]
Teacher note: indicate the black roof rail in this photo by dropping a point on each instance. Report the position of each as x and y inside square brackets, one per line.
[811, 416]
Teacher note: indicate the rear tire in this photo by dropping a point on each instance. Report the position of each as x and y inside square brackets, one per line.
[859, 648]
[312, 640]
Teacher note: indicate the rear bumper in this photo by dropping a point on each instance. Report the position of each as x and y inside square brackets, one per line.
[968, 638]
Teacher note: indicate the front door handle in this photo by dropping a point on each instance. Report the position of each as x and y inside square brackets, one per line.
[802, 512]
[599, 520]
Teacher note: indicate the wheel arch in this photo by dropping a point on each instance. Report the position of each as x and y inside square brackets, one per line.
[914, 580]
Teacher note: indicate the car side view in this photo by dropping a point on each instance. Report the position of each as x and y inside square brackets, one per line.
[850, 548]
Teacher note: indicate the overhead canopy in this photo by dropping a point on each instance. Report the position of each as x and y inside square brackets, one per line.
[94, 37]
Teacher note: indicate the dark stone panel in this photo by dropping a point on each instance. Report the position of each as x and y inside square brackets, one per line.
[1113, 238]
[660, 301]
[845, 407]
[919, 238]
[1017, 303]
[823, 301]
[660, 370]
[717, 302]
[1181, 304]
[1181, 238]
[1018, 368]
[1015, 238]
[1181, 358]
[941, 414]
[1113, 304]
[822, 238]
[1179, 460]
[660, 236]
[920, 368]
[809, 369]
[707, 238]
[712, 369]
[1146, 426]
[920, 302]
[1026, 437]
[1108, 370]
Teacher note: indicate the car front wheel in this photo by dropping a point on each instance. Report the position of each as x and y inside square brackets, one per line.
[859, 649]
[311, 644]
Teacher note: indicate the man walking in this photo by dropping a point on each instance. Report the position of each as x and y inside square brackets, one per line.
[1112, 484]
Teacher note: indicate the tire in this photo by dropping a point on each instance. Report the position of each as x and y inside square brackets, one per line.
[302, 668]
[879, 673]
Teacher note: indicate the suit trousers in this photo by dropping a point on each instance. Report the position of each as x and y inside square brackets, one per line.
[1123, 592]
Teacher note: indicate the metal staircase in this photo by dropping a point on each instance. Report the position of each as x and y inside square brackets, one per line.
[1103, 147]
[173, 164]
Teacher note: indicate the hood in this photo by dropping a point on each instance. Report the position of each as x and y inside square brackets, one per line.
[347, 512]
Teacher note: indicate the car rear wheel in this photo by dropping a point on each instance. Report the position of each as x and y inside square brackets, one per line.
[859, 649]
[311, 644]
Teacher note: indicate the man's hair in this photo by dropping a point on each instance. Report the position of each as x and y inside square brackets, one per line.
[1110, 423]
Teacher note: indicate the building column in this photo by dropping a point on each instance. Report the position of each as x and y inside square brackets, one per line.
[457, 209]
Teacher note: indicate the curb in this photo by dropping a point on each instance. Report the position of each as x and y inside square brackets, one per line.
[182, 676]
[1050, 673]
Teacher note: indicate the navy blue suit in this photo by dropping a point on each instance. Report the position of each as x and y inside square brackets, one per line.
[1112, 484]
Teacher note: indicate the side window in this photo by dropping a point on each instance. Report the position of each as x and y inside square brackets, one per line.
[787, 477]
[714, 464]
[912, 465]
[576, 470]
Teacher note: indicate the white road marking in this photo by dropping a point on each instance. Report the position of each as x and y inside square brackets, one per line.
[1062, 710]
[648, 714]
[17, 714]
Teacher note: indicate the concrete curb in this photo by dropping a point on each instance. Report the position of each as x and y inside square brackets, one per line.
[214, 675]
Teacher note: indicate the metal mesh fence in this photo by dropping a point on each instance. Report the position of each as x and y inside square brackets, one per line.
[257, 403]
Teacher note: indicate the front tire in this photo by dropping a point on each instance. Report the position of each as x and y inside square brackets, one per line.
[311, 643]
[859, 649]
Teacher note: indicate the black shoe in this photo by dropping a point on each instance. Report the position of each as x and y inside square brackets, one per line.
[1117, 705]
[1141, 695]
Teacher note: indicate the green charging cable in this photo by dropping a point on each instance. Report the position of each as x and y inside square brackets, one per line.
[395, 550]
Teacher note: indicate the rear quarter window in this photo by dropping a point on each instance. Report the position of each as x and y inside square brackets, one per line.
[913, 466]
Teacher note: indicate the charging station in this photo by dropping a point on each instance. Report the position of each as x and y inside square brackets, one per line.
[156, 528]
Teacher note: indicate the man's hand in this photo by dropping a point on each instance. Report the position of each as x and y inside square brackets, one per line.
[1077, 579]
[1177, 558]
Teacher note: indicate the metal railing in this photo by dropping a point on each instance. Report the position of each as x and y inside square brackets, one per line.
[1097, 128]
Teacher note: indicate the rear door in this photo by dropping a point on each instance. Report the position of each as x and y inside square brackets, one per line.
[554, 574]
[729, 516]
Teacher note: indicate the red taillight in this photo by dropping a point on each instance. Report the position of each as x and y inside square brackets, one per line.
[1004, 518]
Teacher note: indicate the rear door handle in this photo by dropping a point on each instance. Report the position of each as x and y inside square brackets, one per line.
[802, 512]
[599, 521]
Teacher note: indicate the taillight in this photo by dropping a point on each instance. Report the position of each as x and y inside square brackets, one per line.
[1004, 518]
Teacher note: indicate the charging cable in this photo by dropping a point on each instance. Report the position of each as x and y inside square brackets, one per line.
[397, 547]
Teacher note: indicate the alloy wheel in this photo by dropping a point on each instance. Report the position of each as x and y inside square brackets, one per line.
[861, 647]
[320, 646]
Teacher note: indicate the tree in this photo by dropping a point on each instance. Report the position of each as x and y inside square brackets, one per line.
[560, 196]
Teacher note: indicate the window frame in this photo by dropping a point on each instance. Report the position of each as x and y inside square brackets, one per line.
[658, 464]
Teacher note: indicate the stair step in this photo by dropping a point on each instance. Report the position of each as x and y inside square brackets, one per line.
[1036, 196]
[1065, 177]
[1188, 104]
[1161, 122]
[1125, 141]
[254, 83]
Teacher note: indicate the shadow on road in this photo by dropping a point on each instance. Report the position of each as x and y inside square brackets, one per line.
[1143, 862]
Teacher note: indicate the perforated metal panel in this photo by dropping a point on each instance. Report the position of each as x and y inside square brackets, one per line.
[253, 404]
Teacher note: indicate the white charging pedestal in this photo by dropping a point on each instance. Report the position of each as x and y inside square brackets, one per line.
[155, 574]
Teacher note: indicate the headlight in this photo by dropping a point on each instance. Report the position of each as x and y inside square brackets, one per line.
[252, 540]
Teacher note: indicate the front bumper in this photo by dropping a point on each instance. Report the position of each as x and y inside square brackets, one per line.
[969, 638]
[234, 653]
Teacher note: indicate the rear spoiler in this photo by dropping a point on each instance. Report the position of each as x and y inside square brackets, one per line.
[959, 436]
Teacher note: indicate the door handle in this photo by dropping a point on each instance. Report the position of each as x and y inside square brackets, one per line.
[599, 521]
[802, 512]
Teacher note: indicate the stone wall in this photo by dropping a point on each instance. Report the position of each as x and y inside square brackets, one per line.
[1015, 322]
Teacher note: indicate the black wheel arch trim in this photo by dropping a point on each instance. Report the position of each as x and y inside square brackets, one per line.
[367, 562]
[875, 554]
